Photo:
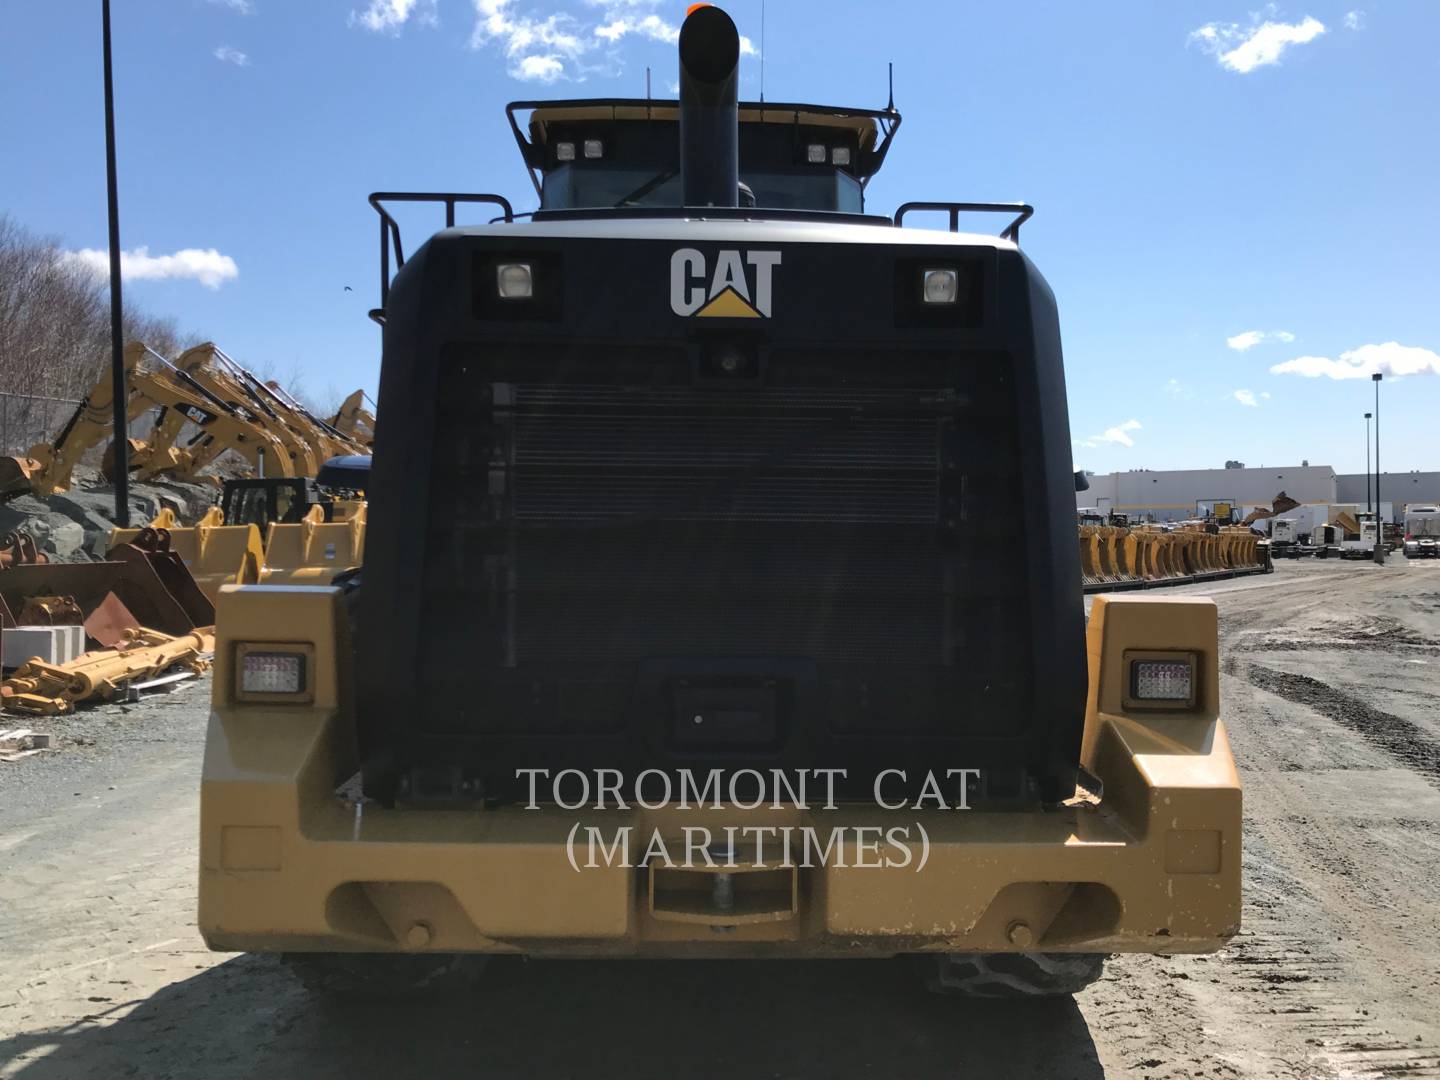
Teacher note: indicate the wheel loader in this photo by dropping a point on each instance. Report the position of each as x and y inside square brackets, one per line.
[694, 620]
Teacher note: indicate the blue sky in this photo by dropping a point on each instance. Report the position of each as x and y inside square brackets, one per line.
[1221, 191]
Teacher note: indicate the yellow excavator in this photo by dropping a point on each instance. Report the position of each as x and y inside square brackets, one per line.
[354, 420]
[327, 440]
[249, 398]
[152, 381]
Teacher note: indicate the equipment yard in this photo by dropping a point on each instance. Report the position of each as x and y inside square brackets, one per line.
[1330, 686]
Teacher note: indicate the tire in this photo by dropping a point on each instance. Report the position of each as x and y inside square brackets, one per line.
[381, 976]
[1010, 975]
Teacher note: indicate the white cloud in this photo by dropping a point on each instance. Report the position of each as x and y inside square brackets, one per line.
[1246, 397]
[226, 55]
[206, 266]
[1391, 358]
[538, 48]
[539, 68]
[546, 47]
[1250, 338]
[651, 26]
[1243, 49]
[389, 16]
[243, 7]
[1355, 20]
[1119, 435]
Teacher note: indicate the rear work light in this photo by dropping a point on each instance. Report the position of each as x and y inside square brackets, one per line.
[273, 673]
[940, 286]
[514, 281]
[1161, 681]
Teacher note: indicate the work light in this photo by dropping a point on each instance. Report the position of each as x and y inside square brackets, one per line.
[272, 673]
[941, 286]
[565, 151]
[514, 281]
[1162, 681]
[840, 156]
[815, 154]
[594, 148]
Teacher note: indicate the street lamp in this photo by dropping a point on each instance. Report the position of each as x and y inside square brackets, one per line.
[1368, 507]
[117, 333]
[1379, 515]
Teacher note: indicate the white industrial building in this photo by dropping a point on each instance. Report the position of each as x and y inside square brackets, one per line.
[1188, 493]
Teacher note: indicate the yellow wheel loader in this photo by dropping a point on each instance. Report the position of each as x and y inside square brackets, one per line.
[693, 619]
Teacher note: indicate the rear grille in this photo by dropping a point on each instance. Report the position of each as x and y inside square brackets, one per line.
[595, 507]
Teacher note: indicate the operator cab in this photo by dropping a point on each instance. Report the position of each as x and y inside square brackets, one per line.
[285, 500]
[625, 153]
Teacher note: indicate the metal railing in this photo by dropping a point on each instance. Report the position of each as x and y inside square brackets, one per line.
[1022, 212]
[390, 228]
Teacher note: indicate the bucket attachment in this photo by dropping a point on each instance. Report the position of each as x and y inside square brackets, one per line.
[18, 548]
[313, 551]
[215, 554]
[152, 546]
[16, 474]
[122, 594]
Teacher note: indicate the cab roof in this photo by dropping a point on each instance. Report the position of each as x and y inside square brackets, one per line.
[873, 129]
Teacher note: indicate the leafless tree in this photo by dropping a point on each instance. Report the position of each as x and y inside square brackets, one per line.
[55, 328]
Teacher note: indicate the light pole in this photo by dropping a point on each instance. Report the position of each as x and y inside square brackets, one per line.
[1379, 515]
[117, 333]
[1368, 507]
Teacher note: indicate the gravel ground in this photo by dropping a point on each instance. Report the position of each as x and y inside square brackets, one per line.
[1330, 684]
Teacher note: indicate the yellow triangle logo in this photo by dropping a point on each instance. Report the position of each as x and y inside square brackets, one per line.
[728, 305]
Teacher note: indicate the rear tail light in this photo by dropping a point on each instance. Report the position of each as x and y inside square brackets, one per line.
[1161, 681]
[274, 673]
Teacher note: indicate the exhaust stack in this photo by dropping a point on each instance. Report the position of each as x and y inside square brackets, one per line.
[709, 110]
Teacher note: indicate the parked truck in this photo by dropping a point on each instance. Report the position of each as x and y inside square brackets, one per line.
[1422, 531]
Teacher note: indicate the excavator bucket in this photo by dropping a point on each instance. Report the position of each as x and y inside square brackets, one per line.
[215, 554]
[16, 474]
[152, 548]
[313, 551]
[19, 548]
[112, 596]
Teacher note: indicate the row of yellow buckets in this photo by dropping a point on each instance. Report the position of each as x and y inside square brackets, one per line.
[1132, 557]
[308, 552]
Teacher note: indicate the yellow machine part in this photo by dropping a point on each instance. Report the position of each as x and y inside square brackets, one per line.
[1145, 554]
[313, 551]
[51, 689]
[288, 864]
[215, 554]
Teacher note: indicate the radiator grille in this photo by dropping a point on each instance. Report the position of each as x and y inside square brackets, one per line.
[605, 510]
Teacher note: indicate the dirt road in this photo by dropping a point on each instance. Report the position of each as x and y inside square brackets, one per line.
[1331, 687]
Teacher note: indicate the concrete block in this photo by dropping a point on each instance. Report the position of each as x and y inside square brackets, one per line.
[51, 644]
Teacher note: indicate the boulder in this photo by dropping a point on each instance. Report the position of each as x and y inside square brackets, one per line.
[66, 541]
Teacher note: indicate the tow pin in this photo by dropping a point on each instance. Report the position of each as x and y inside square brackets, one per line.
[722, 894]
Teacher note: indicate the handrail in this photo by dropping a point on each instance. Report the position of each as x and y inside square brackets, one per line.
[390, 228]
[1023, 212]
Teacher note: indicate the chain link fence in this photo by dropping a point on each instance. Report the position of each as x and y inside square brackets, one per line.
[27, 419]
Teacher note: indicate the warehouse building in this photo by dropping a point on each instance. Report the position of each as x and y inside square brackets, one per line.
[1189, 493]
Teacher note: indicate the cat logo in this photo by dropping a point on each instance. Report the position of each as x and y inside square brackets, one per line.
[726, 293]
